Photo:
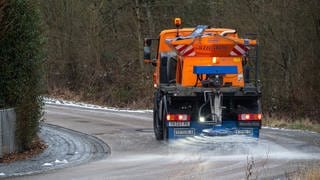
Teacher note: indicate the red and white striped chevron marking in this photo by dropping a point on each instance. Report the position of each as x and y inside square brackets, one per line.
[185, 50]
[239, 50]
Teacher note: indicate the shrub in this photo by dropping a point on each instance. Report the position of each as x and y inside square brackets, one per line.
[21, 53]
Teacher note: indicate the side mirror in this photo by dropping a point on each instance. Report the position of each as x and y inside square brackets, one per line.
[147, 49]
[147, 43]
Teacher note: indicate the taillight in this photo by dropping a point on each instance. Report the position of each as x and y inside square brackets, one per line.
[246, 117]
[178, 117]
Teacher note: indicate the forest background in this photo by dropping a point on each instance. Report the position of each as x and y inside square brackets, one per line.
[95, 54]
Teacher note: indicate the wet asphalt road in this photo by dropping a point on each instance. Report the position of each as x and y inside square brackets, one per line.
[135, 154]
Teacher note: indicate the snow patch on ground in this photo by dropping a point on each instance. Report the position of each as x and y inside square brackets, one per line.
[57, 161]
[49, 100]
[47, 164]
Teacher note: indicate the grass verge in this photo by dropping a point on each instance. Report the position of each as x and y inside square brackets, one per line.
[308, 173]
[302, 124]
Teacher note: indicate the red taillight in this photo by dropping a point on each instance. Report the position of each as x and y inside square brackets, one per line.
[178, 117]
[248, 117]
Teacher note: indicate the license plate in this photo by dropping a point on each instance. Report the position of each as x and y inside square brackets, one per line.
[244, 131]
[178, 124]
[183, 132]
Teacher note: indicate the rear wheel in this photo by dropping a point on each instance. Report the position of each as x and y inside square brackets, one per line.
[163, 118]
[157, 121]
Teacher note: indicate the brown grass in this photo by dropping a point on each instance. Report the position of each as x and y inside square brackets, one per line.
[303, 124]
[65, 94]
[311, 173]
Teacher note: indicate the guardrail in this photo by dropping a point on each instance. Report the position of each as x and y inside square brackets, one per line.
[7, 131]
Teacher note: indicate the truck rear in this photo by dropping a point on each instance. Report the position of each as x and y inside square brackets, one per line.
[206, 83]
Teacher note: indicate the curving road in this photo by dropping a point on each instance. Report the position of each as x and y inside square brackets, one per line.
[135, 154]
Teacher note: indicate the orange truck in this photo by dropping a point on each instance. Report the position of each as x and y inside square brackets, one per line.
[206, 82]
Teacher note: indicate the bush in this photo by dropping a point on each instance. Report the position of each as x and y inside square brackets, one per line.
[21, 50]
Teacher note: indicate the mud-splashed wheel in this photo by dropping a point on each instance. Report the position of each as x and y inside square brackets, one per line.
[157, 121]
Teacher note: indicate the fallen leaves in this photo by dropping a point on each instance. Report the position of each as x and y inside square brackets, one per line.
[36, 148]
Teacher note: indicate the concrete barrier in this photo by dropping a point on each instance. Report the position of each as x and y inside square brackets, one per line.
[7, 131]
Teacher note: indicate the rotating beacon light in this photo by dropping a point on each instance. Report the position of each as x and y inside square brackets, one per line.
[177, 22]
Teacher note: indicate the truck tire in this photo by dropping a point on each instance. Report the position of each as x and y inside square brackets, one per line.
[163, 117]
[157, 121]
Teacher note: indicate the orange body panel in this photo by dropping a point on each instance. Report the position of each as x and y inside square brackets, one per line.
[190, 79]
[211, 49]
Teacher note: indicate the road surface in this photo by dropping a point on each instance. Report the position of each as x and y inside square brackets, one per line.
[135, 154]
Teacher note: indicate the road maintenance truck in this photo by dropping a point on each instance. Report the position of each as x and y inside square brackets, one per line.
[206, 82]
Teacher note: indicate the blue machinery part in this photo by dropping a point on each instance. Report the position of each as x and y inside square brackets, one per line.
[218, 131]
[218, 70]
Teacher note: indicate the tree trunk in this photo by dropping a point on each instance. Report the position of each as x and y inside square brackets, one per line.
[138, 31]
